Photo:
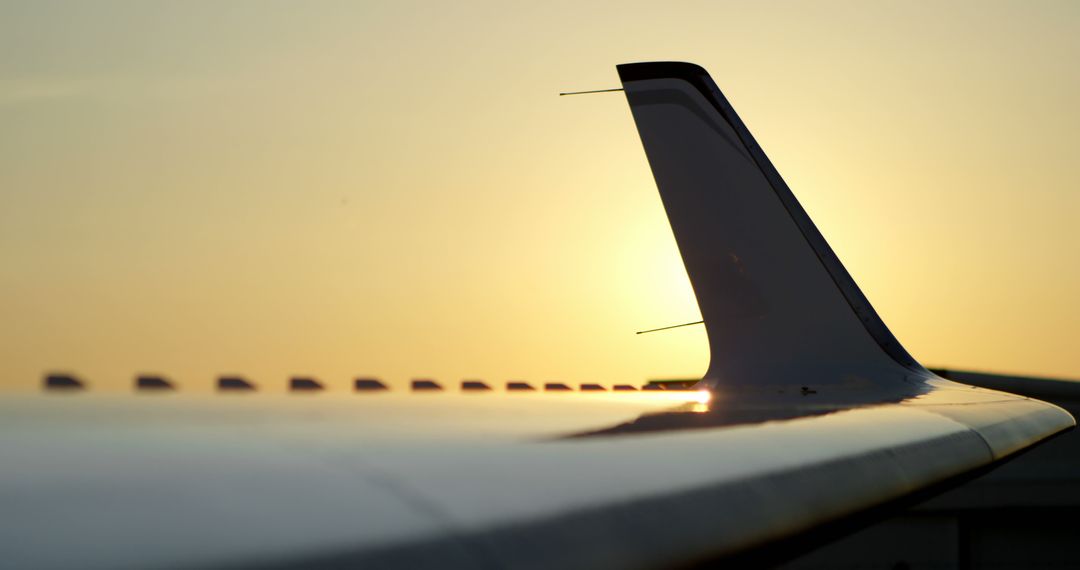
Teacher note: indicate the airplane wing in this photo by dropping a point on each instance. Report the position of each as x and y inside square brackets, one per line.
[810, 413]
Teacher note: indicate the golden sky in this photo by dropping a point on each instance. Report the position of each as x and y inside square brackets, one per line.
[395, 189]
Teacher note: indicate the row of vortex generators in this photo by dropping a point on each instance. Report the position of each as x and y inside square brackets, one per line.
[68, 382]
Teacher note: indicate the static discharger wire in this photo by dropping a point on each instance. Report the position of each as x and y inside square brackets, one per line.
[671, 327]
[587, 92]
[613, 91]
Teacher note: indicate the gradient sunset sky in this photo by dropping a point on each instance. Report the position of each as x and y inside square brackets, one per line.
[396, 190]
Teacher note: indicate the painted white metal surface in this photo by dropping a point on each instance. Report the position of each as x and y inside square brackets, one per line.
[396, 479]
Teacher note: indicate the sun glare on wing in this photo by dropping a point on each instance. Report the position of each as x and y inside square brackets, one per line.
[699, 398]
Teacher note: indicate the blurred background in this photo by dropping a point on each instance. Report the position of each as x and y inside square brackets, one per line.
[394, 189]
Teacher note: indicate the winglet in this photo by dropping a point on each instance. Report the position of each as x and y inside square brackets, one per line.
[778, 305]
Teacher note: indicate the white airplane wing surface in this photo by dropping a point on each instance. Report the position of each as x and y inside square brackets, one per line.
[811, 413]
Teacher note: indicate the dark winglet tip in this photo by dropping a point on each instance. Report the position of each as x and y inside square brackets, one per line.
[659, 70]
